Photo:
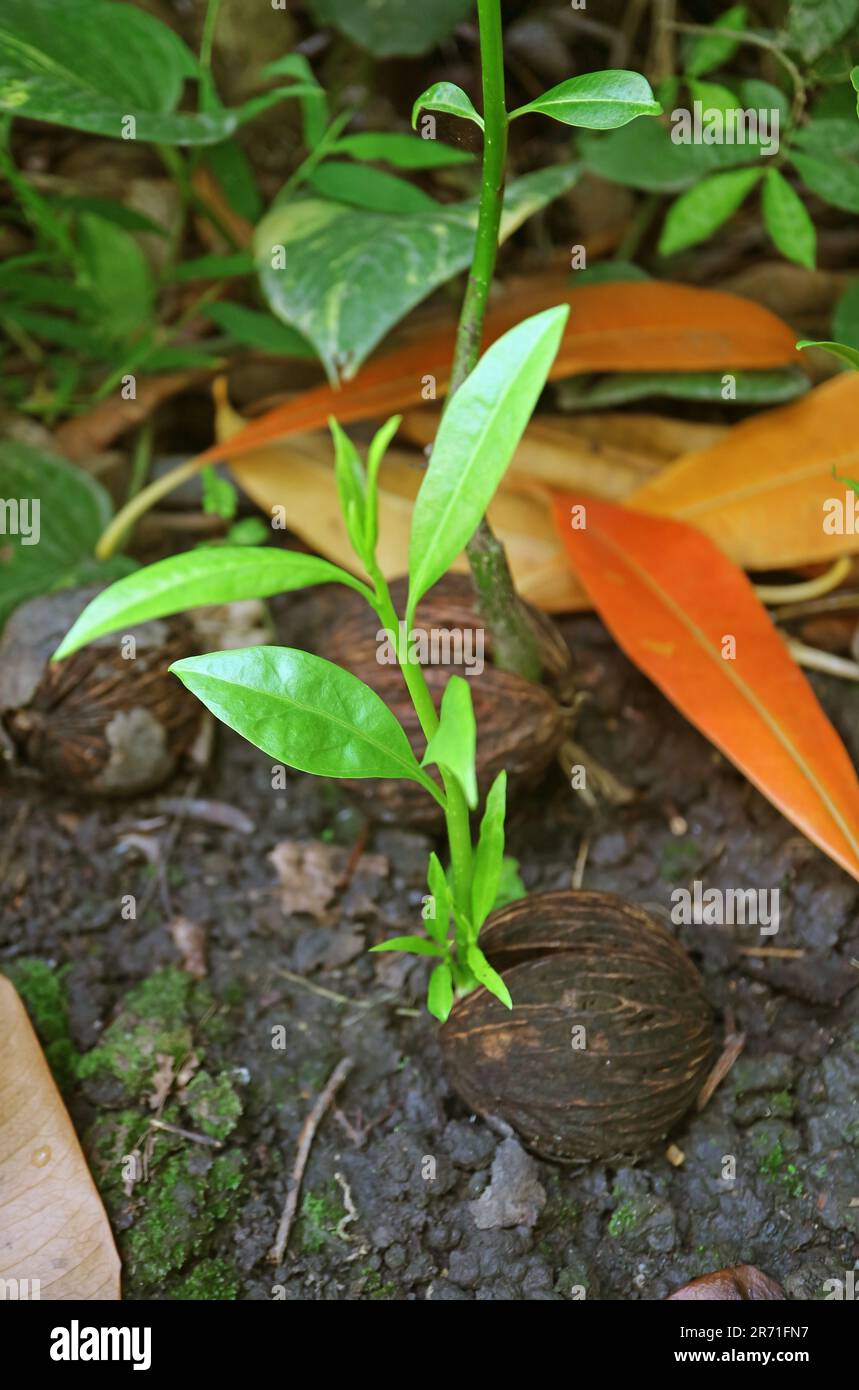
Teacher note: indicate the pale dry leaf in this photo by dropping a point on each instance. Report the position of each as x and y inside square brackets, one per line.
[162, 1080]
[53, 1227]
[190, 941]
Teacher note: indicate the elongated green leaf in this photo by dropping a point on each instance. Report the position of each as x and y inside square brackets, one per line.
[369, 188]
[489, 856]
[454, 744]
[698, 213]
[313, 101]
[644, 155]
[212, 575]
[834, 180]
[438, 886]
[403, 151]
[787, 221]
[450, 100]
[596, 100]
[748, 388]
[375, 455]
[440, 992]
[305, 712]
[845, 316]
[257, 329]
[476, 440]
[416, 945]
[708, 51]
[118, 277]
[712, 95]
[351, 486]
[488, 977]
[91, 65]
[386, 27]
[847, 354]
[326, 269]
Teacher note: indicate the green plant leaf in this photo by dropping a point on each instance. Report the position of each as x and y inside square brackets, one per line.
[488, 977]
[234, 174]
[478, 435]
[403, 151]
[351, 486]
[453, 745]
[815, 25]
[842, 351]
[51, 515]
[823, 138]
[489, 856]
[596, 100]
[440, 992]
[212, 575]
[845, 317]
[437, 882]
[750, 388]
[450, 100]
[313, 101]
[258, 330]
[643, 155]
[511, 889]
[375, 454]
[709, 51]
[416, 945]
[787, 221]
[756, 95]
[712, 95]
[388, 27]
[212, 268]
[325, 268]
[117, 277]
[220, 497]
[305, 712]
[697, 214]
[832, 179]
[90, 64]
[369, 188]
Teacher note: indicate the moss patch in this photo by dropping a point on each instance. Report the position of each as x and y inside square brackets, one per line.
[42, 988]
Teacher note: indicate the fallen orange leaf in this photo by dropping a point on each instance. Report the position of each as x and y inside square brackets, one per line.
[672, 600]
[54, 1228]
[651, 325]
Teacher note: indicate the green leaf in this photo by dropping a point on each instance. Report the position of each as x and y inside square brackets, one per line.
[708, 51]
[478, 435]
[375, 454]
[369, 188]
[417, 945]
[234, 174]
[212, 268]
[488, 977]
[51, 515]
[450, 100]
[750, 388]
[251, 530]
[326, 269]
[833, 180]
[489, 856]
[90, 65]
[387, 27]
[824, 138]
[117, 275]
[351, 486]
[712, 95]
[596, 100]
[697, 214]
[437, 882]
[815, 25]
[109, 210]
[212, 575]
[304, 712]
[440, 992]
[756, 95]
[258, 330]
[454, 743]
[220, 497]
[850, 355]
[511, 889]
[787, 221]
[845, 318]
[403, 151]
[609, 272]
[313, 101]
[643, 155]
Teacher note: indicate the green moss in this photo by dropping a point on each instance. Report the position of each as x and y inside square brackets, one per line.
[321, 1214]
[213, 1104]
[375, 1288]
[678, 859]
[774, 1167]
[41, 986]
[209, 1281]
[624, 1219]
[782, 1104]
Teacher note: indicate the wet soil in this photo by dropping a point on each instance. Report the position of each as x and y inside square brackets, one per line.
[769, 1172]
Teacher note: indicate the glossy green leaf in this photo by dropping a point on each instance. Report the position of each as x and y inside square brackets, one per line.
[403, 151]
[787, 221]
[351, 486]
[90, 65]
[823, 138]
[449, 99]
[219, 574]
[304, 712]
[416, 945]
[697, 214]
[756, 95]
[454, 744]
[842, 351]
[643, 155]
[815, 25]
[832, 179]
[117, 276]
[478, 435]
[489, 856]
[488, 977]
[212, 268]
[256, 329]
[845, 317]
[375, 454]
[373, 189]
[440, 992]
[748, 388]
[51, 515]
[596, 100]
[326, 269]
[712, 95]
[437, 882]
[387, 27]
[709, 51]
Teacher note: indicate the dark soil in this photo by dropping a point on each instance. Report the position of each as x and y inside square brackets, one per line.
[377, 1219]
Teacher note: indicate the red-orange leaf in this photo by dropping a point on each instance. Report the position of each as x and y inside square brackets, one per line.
[652, 325]
[672, 598]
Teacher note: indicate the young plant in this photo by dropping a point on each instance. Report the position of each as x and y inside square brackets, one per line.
[318, 718]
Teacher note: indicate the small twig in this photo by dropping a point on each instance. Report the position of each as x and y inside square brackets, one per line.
[187, 1134]
[323, 992]
[581, 861]
[305, 1140]
[816, 660]
[773, 952]
[351, 1209]
[731, 1049]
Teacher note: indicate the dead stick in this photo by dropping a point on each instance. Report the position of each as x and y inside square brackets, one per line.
[305, 1140]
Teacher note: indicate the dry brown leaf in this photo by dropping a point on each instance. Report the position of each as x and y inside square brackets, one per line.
[759, 492]
[84, 435]
[53, 1227]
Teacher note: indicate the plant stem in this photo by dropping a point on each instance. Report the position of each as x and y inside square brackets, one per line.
[515, 644]
[207, 85]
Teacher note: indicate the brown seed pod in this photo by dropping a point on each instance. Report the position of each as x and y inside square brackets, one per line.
[730, 1285]
[519, 725]
[97, 722]
[582, 960]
